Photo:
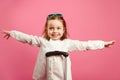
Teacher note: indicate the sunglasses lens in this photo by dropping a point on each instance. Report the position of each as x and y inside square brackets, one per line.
[54, 15]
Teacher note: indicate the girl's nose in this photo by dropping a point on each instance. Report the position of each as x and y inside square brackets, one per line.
[55, 30]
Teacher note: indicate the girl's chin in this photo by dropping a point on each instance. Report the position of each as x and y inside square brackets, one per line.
[55, 38]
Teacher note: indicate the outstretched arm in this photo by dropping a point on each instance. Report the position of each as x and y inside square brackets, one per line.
[22, 37]
[89, 45]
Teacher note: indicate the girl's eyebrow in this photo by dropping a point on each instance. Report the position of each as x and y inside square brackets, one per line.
[51, 27]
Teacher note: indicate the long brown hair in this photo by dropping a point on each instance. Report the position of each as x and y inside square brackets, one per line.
[55, 17]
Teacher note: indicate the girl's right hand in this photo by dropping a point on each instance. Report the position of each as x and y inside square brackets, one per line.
[6, 34]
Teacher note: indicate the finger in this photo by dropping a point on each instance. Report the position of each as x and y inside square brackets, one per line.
[112, 42]
[8, 37]
[5, 36]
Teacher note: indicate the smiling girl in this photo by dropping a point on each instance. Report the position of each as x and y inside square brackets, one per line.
[53, 62]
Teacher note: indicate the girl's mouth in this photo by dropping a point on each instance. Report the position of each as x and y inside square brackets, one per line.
[55, 34]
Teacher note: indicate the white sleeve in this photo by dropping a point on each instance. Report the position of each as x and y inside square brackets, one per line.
[25, 38]
[85, 45]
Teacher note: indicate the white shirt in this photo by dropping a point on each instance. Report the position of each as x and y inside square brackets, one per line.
[45, 45]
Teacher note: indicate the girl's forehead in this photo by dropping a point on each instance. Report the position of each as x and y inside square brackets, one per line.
[55, 22]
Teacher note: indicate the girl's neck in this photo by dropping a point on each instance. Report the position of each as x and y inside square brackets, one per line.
[55, 39]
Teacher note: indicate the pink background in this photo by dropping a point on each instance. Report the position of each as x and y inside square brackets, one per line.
[86, 20]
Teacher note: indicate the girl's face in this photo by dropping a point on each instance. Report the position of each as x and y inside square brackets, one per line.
[55, 29]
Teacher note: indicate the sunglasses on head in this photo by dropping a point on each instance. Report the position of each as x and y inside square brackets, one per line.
[54, 15]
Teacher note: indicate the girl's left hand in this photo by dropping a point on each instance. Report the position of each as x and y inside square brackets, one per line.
[109, 43]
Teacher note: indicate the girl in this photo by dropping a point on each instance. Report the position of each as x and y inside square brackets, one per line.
[53, 61]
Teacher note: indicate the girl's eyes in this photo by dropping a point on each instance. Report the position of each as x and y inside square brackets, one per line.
[54, 28]
[58, 28]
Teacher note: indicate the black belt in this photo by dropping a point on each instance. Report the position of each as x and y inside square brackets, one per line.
[56, 53]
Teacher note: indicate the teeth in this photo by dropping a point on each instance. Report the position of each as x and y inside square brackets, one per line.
[55, 34]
